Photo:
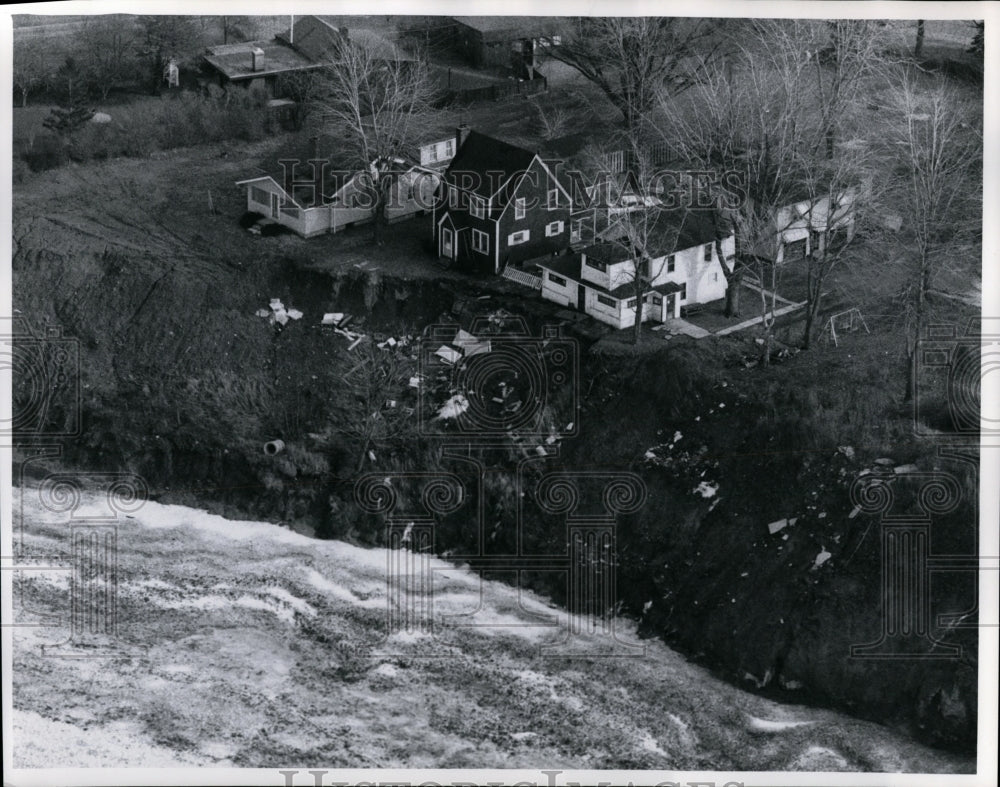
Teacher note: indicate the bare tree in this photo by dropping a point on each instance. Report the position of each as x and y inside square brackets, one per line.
[30, 70]
[106, 51]
[935, 143]
[377, 99]
[634, 59]
[742, 129]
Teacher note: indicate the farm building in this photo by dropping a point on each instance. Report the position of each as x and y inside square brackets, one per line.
[683, 269]
[505, 41]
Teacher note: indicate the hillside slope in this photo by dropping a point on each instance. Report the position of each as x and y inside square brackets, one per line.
[247, 644]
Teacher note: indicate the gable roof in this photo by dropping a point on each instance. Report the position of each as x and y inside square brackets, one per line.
[674, 231]
[313, 36]
[483, 155]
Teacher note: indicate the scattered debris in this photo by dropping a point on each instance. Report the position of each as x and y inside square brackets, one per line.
[706, 488]
[469, 344]
[901, 469]
[454, 407]
[415, 381]
[884, 462]
[278, 314]
[854, 512]
[822, 557]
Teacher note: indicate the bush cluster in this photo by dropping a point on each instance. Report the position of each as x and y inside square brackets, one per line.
[138, 130]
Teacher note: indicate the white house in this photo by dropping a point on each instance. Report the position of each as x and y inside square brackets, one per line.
[807, 225]
[684, 269]
[312, 209]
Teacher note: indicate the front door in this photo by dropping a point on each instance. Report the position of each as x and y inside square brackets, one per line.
[581, 297]
[447, 243]
[275, 207]
[668, 313]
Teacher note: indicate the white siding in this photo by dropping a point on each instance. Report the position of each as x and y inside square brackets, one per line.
[564, 295]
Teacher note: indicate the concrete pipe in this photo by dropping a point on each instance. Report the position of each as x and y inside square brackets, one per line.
[274, 447]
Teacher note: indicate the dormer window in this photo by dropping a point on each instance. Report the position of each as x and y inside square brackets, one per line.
[553, 202]
[520, 208]
[477, 207]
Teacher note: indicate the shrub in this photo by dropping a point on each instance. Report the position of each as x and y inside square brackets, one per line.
[46, 151]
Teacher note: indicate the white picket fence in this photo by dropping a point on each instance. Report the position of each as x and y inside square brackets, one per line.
[521, 277]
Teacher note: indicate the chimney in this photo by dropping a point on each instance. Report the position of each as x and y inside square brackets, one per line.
[256, 59]
[461, 133]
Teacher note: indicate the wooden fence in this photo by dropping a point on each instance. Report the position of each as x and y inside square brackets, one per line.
[522, 278]
[659, 154]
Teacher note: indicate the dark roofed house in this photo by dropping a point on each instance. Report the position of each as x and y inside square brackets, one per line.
[505, 41]
[500, 205]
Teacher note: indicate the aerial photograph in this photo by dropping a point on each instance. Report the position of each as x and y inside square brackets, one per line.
[517, 397]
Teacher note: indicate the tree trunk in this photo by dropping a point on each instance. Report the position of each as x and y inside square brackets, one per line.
[24, 98]
[919, 47]
[734, 281]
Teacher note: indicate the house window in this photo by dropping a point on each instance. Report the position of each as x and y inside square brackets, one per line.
[670, 263]
[553, 199]
[684, 291]
[260, 196]
[519, 208]
[432, 153]
[576, 230]
[708, 252]
[600, 266]
[518, 237]
[555, 228]
[449, 148]
[557, 280]
[657, 300]
[477, 207]
[480, 241]
[715, 276]
[631, 303]
[607, 301]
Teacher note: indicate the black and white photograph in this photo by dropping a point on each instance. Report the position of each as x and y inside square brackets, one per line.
[555, 394]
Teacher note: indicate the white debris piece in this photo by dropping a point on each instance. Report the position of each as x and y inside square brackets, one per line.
[371, 455]
[901, 469]
[281, 317]
[332, 318]
[706, 488]
[777, 526]
[883, 462]
[846, 450]
[854, 512]
[448, 354]
[647, 606]
[415, 381]
[277, 305]
[263, 313]
[822, 557]
[295, 314]
[454, 407]
[677, 436]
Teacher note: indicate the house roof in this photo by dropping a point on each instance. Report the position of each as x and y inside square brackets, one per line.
[484, 155]
[317, 37]
[313, 36]
[234, 61]
[674, 231]
[504, 28]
